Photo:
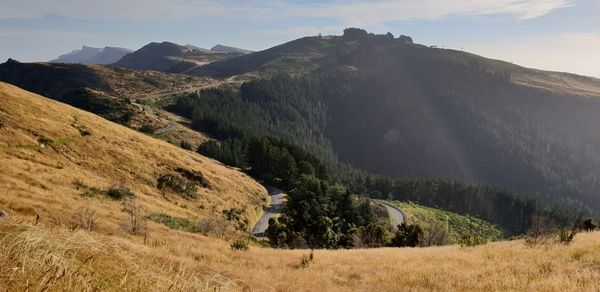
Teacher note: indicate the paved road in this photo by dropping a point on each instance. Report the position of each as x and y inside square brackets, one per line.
[277, 202]
[168, 128]
[232, 79]
[396, 215]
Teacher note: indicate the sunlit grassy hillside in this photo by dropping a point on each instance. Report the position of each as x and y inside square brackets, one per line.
[62, 259]
[57, 160]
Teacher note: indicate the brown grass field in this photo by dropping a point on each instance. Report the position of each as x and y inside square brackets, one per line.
[42, 152]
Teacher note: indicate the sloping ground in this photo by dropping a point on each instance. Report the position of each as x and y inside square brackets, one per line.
[172, 58]
[450, 226]
[137, 84]
[51, 154]
[55, 256]
[61, 259]
[118, 94]
[557, 82]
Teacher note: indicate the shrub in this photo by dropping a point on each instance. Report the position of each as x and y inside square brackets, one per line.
[233, 214]
[407, 235]
[240, 244]
[210, 225]
[177, 184]
[587, 225]
[149, 129]
[86, 219]
[186, 145]
[237, 215]
[375, 235]
[84, 131]
[566, 235]
[1, 124]
[119, 193]
[173, 222]
[306, 260]
[44, 141]
[136, 221]
[473, 240]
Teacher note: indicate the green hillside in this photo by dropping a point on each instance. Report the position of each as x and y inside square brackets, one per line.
[443, 227]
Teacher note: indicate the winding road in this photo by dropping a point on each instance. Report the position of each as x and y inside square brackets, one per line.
[396, 215]
[278, 199]
[277, 202]
[169, 127]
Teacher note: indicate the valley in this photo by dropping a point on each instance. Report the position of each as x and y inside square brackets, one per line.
[56, 251]
[359, 162]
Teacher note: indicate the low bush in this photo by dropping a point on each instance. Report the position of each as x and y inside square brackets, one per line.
[174, 222]
[306, 260]
[239, 244]
[566, 235]
[86, 219]
[44, 141]
[210, 225]
[178, 184]
[148, 129]
[136, 222]
[587, 225]
[119, 193]
[84, 131]
[407, 235]
[186, 145]
[472, 240]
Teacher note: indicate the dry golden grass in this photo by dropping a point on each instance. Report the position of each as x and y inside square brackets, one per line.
[37, 177]
[37, 256]
[55, 256]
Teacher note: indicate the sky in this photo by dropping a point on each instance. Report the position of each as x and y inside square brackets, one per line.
[558, 35]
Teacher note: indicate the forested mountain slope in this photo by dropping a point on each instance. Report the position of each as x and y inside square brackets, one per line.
[388, 106]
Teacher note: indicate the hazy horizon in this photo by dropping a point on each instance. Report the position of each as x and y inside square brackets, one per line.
[557, 35]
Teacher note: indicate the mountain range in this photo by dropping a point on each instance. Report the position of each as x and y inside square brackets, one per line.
[385, 105]
[169, 54]
[388, 106]
[173, 58]
[89, 55]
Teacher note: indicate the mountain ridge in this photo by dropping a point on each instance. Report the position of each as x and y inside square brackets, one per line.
[90, 55]
[388, 106]
[173, 58]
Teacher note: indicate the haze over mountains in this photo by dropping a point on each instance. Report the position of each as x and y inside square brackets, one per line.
[89, 55]
[165, 56]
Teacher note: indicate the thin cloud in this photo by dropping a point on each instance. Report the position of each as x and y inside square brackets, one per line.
[361, 13]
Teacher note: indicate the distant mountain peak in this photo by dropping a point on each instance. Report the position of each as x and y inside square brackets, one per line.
[92, 55]
[196, 48]
[228, 50]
